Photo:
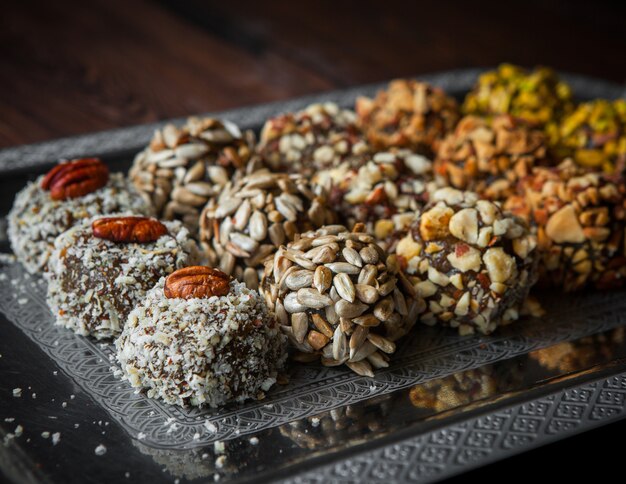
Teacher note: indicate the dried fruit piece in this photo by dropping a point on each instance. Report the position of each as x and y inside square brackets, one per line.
[196, 282]
[75, 178]
[128, 229]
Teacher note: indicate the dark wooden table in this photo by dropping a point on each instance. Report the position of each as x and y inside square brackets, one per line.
[71, 67]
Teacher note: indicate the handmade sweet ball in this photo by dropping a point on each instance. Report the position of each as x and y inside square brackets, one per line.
[183, 167]
[409, 114]
[339, 297]
[71, 192]
[101, 269]
[580, 218]
[316, 138]
[384, 192]
[200, 338]
[471, 263]
[489, 157]
[255, 215]
[594, 135]
[538, 97]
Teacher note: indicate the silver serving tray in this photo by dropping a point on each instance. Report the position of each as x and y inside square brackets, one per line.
[447, 403]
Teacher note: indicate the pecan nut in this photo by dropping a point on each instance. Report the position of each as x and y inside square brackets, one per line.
[196, 282]
[75, 178]
[128, 229]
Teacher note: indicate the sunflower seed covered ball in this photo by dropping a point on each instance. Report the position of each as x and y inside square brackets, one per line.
[256, 214]
[409, 114]
[183, 167]
[471, 263]
[316, 138]
[581, 219]
[384, 192]
[94, 282]
[37, 219]
[339, 296]
[201, 351]
[489, 157]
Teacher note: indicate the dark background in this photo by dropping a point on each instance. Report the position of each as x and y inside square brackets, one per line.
[71, 67]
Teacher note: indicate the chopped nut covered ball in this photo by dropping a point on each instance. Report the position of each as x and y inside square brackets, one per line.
[37, 218]
[471, 263]
[316, 138]
[383, 192]
[202, 351]
[338, 295]
[94, 282]
[594, 135]
[489, 157]
[183, 167]
[538, 97]
[409, 114]
[255, 215]
[580, 217]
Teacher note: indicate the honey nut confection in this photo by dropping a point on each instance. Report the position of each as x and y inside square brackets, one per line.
[489, 157]
[383, 192]
[538, 97]
[594, 135]
[183, 167]
[315, 138]
[256, 214]
[409, 114]
[200, 338]
[102, 268]
[339, 297]
[72, 191]
[471, 263]
[580, 219]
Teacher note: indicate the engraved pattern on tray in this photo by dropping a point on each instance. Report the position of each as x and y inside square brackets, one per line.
[459, 447]
[428, 353]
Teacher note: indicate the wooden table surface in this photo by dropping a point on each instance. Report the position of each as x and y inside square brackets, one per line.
[72, 67]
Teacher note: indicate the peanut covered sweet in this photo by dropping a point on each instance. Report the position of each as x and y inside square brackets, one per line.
[471, 263]
[489, 157]
[409, 114]
[580, 218]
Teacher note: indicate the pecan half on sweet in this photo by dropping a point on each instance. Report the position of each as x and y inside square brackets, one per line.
[196, 282]
[128, 229]
[75, 178]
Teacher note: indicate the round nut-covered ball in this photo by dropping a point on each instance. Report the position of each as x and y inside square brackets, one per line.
[202, 351]
[339, 296]
[36, 220]
[471, 264]
[594, 135]
[538, 97]
[409, 114]
[384, 192]
[256, 214]
[318, 137]
[183, 167]
[580, 218]
[489, 157]
[94, 283]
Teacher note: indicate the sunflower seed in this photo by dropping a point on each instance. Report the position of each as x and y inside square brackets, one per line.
[325, 254]
[227, 263]
[322, 279]
[363, 352]
[286, 209]
[316, 339]
[382, 343]
[218, 175]
[200, 188]
[357, 339]
[321, 325]
[292, 305]
[369, 255]
[300, 325]
[347, 309]
[343, 267]
[251, 278]
[367, 320]
[340, 345]
[277, 234]
[281, 314]
[331, 315]
[362, 368]
[384, 309]
[244, 242]
[344, 287]
[312, 298]
[400, 302]
[387, 287]
[299, 279]
[365, 293]
[227, 207]
[378, 360]
[368, 275]
[324, 239]
[352, 256]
